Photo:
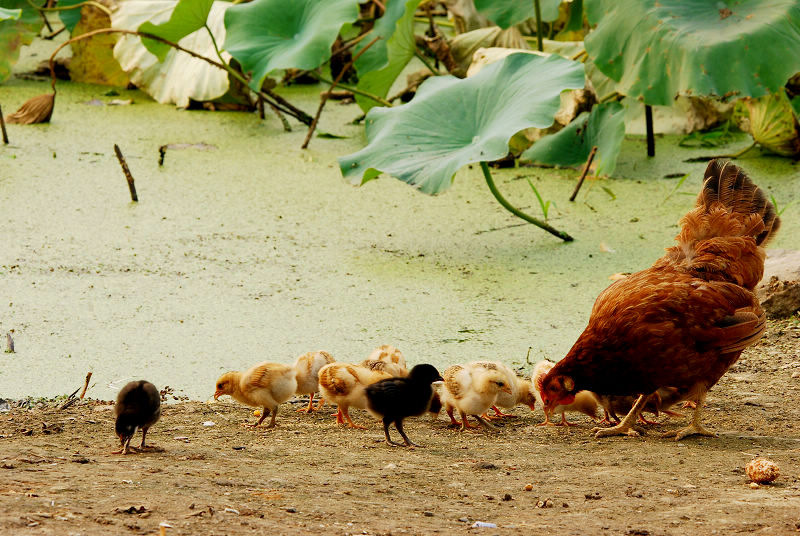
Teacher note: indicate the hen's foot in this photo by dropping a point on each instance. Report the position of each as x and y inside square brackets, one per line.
[690, 404]
[692, 429]
[354, 425]
[620, 429]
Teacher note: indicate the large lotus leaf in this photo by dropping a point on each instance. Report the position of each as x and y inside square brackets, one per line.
[658, 49]
[187, 17]
[265, 35]
[179, 77]
[93, 59]
[377, 55]
[400, 49]
[452, 122]
[604, 127]
[506, 13]
[70, 17]
[16, 32]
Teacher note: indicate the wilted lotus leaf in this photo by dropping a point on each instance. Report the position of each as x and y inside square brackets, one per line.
[773, 124]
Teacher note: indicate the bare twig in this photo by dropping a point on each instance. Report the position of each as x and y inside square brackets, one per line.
[583, 174]
[86, 384]
[127, 173]
[9, 343]
[327, 94]
[3, 127]
[162, 152]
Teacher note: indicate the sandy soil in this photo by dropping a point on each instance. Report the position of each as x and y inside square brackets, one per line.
[307, 475]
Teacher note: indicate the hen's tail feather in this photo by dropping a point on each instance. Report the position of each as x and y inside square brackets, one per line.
[729, 185]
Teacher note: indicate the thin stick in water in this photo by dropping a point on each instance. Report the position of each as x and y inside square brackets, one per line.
[583, 174]
[162, 152]
[3, 127]
[327, 94]
[86, 384]
[127, 173]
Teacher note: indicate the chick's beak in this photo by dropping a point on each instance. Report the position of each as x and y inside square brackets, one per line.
[506, 389]
[218, 394]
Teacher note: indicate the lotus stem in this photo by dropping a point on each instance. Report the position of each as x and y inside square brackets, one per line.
[518, 213]
[539, 37]
[583, 175]
[427, 64]
[648, 121]
[355, 90]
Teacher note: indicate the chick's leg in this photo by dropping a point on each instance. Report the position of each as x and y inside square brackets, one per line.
[399, 425]
[386, 423]
[264, 414]
[272, 421]
[626, 426]
[310, 407]
[546, 420]
[144, 434]
[695, 428]
[499, 414]
[464, 423]
[320, 403]
[489, 427]
[565, 422]
[350, 423]
[453, 421]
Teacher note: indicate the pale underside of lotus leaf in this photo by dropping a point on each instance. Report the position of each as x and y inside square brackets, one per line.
[453, 122]
[265, 35]
[180, 77]
[659, 49]
[604, 127]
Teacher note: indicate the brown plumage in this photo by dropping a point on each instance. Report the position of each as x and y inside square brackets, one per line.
[138, 407]
[685, 320]
[388, 354]
[265, 385]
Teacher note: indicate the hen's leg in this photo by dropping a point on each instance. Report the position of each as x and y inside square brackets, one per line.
[626, 426]
[695, 428]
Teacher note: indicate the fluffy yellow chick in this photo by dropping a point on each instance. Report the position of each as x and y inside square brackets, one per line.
[585, 401]
[265, 385]
[522, 391]
[307, 367]
[344, 384]
[388, 354]
[472, 389]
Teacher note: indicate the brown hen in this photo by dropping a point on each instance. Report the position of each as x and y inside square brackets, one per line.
[685, 320]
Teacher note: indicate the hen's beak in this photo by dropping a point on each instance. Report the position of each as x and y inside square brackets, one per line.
[218, 394]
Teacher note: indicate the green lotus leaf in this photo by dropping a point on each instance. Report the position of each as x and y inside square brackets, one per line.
[377, 56]
[187, 17]
[399, 49]
[70, 17]
[604, 127]
[16, 32]
[659, 49]
[452, 122]
[506, 13]
[265, 35]
[773, 124]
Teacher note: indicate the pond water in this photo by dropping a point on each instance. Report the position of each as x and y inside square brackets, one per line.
[257, 250]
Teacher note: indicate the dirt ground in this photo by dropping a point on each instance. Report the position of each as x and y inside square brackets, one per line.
[58, 476]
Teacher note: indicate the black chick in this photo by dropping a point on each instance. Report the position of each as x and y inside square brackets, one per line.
[138, 406]
[394, 399]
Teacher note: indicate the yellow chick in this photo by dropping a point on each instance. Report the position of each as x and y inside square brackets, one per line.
[265, 385]
[344, 384]
[585, 401]
[388, 354]
[522, 391]
[307, 367]
[472, 389]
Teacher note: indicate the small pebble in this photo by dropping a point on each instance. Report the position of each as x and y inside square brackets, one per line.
[762, 470]
[507, 497]
[463, 519]
[291, 510]
[209, 423]
[754, 485]
[528, 487]
[427, 514]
